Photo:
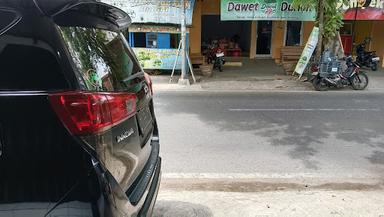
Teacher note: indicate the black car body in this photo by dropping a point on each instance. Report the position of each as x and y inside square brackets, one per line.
[78, 134]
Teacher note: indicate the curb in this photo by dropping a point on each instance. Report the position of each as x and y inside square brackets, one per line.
[236, 90]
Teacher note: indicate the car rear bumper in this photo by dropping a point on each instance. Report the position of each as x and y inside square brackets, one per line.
[146, 187]
[150, 200]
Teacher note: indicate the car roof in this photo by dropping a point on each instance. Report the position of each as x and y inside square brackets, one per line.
[116, 18]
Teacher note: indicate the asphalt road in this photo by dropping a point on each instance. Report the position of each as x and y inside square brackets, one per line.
[331, 135]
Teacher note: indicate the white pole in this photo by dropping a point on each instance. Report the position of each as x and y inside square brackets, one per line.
[183, 79]
[177, 60]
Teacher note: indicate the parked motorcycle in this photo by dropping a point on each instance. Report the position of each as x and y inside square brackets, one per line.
[216, 56]
[219, 60]
[367, 58]
[330, 74]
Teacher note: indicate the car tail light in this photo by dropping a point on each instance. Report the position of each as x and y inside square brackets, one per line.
[149, 81]
[87, 113]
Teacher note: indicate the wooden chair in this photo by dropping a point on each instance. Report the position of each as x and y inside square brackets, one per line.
[290, 55]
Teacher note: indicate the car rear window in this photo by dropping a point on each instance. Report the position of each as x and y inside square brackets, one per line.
[29, 68]
[102, 58]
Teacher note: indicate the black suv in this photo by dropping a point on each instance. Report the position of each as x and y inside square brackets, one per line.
[78, 135]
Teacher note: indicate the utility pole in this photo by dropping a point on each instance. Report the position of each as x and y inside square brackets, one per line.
[184, 78]
[321, 28]
[354, 26]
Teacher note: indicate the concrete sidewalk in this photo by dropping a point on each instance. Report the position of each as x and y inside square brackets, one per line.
[260, 83]
[314, 203]
[234, 80]
[250, 198]
[270, 83]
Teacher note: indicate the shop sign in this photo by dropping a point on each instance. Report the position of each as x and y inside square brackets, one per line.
[362, 9]
[308, 51]
[155, 11]
[151, 58]
[265, 10]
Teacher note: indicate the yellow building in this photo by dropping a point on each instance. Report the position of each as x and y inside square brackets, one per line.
[367, 28]
[264, 39]
[272, 34]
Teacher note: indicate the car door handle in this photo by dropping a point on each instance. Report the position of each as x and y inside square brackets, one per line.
[1, 149]
[1, 141]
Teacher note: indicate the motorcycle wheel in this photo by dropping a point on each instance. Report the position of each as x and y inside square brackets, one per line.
[374, 66]
[360, 81]
[319, 84]
[220, 65]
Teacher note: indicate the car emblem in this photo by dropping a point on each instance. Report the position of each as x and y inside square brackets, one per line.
[125, 135]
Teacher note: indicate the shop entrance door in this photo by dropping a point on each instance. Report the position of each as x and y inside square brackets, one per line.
[264, 38]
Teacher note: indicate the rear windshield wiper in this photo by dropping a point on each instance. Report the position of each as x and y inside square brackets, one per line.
[136, 75]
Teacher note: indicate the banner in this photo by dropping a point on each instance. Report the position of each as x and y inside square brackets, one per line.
[265, 10]
[155, 11]
[308, 51]
[362, 9]
[151, 58]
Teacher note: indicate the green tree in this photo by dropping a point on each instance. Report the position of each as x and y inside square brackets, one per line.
[329, 20]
